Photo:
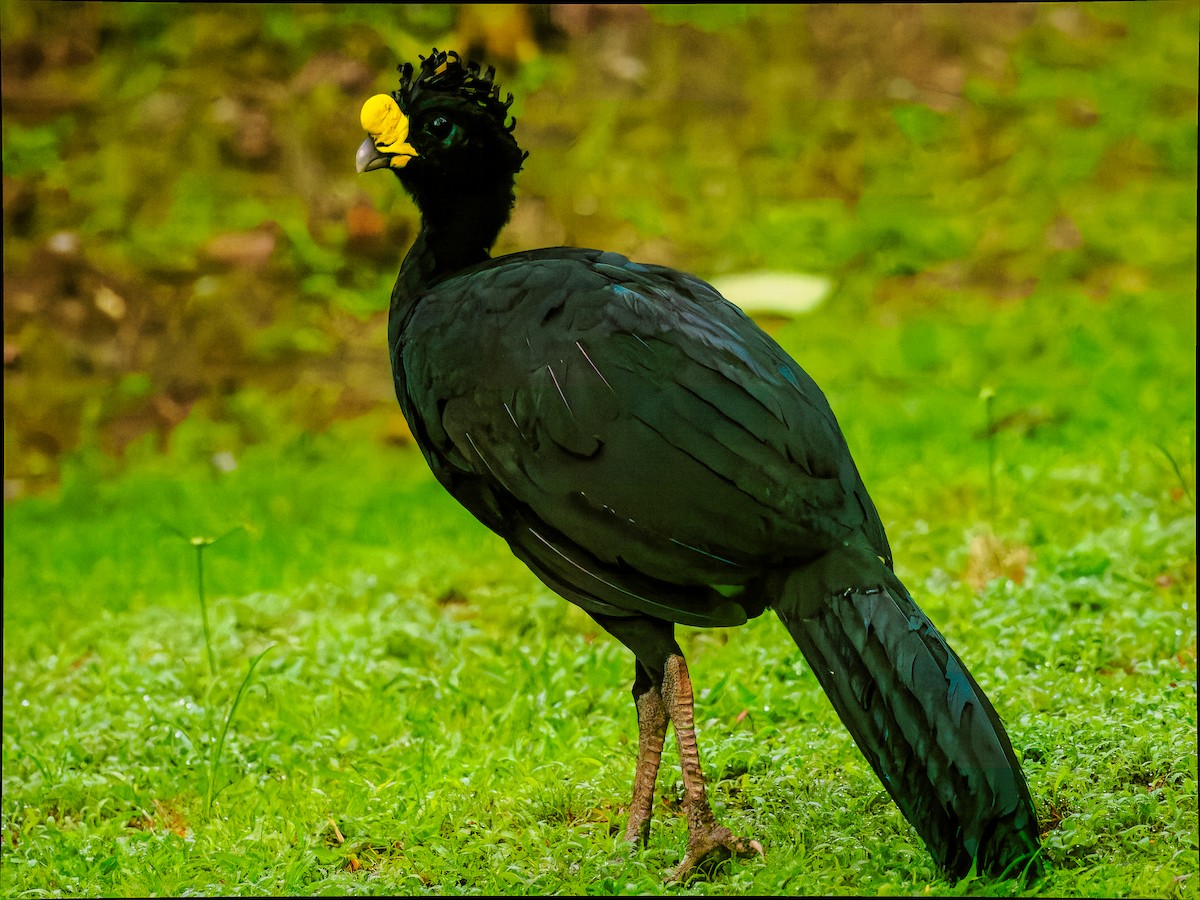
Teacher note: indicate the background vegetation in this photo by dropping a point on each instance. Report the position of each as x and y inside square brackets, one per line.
[1003, 198]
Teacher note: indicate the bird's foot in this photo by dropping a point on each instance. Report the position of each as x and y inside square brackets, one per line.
[709, 846]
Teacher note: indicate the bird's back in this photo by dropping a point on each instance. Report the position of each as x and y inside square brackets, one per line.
[626, 423]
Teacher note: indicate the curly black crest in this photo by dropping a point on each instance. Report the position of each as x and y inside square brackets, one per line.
[446, 73]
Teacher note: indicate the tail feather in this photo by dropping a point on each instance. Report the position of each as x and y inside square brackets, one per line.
[918, 716]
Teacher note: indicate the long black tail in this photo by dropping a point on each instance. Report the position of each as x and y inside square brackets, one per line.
[916, 713]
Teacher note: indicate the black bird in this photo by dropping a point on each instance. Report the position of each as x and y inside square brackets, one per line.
[657, 459]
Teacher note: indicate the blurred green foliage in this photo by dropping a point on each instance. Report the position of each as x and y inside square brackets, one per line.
[180, 203]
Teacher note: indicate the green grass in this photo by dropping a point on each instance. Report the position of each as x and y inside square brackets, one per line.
[431, 719]
[1004, 199]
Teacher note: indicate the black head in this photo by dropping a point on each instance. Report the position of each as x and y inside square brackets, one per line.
[445, 131]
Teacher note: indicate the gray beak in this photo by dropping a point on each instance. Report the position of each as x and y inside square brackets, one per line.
[368, 158]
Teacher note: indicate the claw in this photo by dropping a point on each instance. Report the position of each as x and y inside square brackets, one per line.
[706, 850]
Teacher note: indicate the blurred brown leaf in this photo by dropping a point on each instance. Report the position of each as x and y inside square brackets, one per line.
[245, 249]
[364, 223]
[990, 557]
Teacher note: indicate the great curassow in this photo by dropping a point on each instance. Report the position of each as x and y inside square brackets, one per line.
[657, 459]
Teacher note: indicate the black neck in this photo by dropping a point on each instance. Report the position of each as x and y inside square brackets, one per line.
[457, 231]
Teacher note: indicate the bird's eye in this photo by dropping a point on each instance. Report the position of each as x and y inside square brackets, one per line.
[442, 129]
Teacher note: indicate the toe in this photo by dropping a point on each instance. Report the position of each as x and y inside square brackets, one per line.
[707, 850]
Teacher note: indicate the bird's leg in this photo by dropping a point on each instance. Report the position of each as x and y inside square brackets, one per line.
[663, 693]
[652, 641]
[706, 836]
[652, 731]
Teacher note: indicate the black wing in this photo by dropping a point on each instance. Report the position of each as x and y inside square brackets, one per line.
[636, 438]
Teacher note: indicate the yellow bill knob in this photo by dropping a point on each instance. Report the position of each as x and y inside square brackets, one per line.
[381, 118]
[387, 125]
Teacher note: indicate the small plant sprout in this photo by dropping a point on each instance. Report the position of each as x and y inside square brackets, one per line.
[1186, 486]
[988, 396]
[214, 759]
[201, 544]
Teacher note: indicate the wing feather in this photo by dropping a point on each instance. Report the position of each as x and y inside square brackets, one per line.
[647, 432]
